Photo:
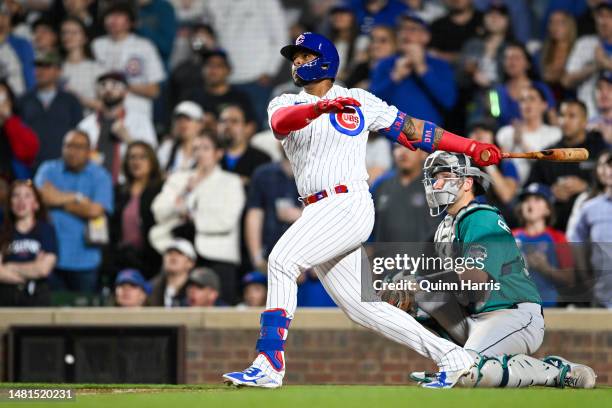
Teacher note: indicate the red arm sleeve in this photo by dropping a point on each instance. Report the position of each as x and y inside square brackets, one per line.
[455, 143]
[291, 118]
[22, 139]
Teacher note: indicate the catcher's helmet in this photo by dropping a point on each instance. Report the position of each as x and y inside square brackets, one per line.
[461, 167]
[327, 61]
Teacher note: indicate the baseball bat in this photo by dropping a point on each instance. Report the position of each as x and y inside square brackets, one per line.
[560, 155]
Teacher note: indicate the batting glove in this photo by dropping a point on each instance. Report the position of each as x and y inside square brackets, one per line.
[484, 154]
[340, 104]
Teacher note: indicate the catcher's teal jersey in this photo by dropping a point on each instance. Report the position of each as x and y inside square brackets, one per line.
[483, 232]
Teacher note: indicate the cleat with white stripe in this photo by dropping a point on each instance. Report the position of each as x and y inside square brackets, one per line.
[442, 379]
[251, 377]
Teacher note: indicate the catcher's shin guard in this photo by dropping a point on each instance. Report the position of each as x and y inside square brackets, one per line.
[522, 371]
[512, 371]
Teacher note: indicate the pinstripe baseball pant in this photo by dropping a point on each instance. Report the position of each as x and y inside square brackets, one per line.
[328, 237]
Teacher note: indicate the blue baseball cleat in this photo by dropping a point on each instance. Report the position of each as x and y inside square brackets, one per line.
[251, 377]
[447, 379]
[443, 379]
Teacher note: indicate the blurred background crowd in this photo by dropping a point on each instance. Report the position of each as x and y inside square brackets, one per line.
[137, 166]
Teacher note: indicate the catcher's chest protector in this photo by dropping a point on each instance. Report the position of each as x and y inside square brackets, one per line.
[447, 230]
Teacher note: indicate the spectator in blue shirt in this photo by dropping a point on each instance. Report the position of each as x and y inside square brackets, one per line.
[415, 81]
[544, 248]
[77, 191]
[16, 55]
[272, 206]
[48, 110]
[311, 292]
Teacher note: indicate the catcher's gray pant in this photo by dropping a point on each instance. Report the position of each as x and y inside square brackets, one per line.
[504, 331]
[328, 237]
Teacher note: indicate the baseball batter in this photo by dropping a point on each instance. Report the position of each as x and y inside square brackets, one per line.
[324, 131]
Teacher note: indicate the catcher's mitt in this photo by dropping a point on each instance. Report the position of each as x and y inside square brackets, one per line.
[402, 299]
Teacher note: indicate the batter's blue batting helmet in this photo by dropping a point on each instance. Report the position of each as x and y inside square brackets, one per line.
[327, 61]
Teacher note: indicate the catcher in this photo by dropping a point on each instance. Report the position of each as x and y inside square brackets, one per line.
[504, 325]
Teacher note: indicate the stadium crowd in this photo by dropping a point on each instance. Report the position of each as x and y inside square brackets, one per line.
[137, 166]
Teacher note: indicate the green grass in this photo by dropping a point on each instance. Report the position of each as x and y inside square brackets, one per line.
[317, 396]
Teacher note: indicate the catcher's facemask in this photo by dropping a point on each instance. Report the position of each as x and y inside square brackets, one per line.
[460, 166]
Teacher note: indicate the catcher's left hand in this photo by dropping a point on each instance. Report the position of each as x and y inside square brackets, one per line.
[402, 299]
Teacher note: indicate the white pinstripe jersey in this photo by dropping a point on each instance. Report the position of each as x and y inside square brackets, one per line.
[331, 149]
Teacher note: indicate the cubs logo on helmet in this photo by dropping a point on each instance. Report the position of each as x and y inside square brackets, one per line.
[348, 123]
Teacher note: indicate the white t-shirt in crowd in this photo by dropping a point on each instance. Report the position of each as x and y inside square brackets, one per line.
[583, 53]
[11, 69]
[246, 28]
[80, 77]
[138, 59]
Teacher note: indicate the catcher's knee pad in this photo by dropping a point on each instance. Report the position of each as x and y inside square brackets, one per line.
[487, 372]
[521, 370]
[471, 378]
[491, 373]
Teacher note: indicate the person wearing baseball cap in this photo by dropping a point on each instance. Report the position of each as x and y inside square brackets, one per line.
[203, 287]
[131, 288]
[176, 153]
[217, 91]
[545, 248]
[415, 18]
[254, 289]
[47, 108]
[169, 286]
[47, 59]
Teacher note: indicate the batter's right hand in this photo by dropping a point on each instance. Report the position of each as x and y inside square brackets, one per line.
[339, 104]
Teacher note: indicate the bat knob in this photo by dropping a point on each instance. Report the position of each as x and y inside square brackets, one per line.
[485, 155]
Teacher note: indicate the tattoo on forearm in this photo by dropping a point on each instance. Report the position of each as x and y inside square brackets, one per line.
[438, 136]
[409, 129]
